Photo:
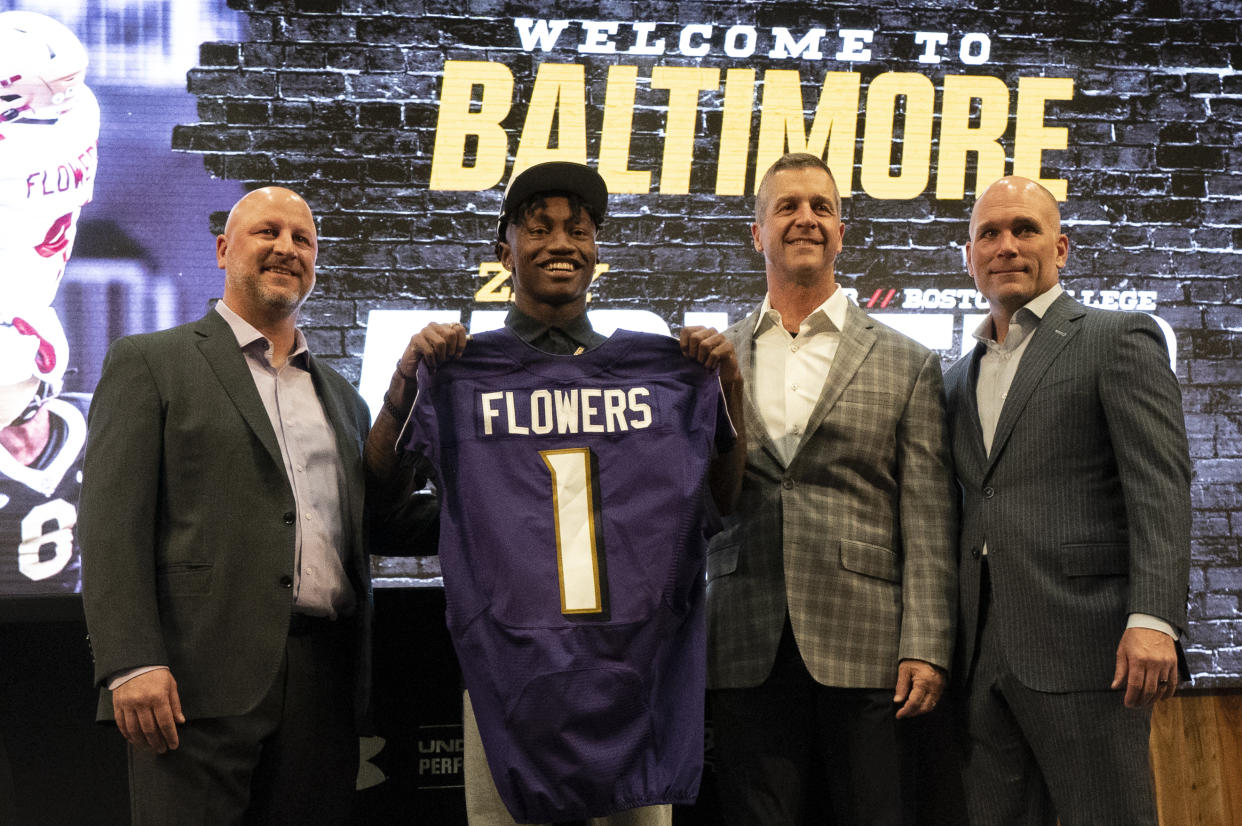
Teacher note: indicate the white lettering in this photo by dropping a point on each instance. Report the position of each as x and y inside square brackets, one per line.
[642, 32]
[541, 412]
[931, 43]
[747, 34]
[514, 427]
[539, 34]
[590, 397]
[489, 413]
[566, 411]
[641, 408]
[614, 410]
[976, 48]
[786, 47]
[595, 34]
[685, 44]
[852, 41]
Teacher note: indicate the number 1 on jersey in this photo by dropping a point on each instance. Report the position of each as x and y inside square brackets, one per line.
[573, 506]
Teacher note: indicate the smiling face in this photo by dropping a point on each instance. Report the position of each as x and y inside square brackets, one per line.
[550, 249]
[268, 254]
[1016, 247]
[799, 229]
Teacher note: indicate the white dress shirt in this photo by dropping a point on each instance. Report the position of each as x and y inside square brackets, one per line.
[794, 368]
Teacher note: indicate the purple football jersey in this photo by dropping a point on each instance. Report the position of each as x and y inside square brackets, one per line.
[573, 529]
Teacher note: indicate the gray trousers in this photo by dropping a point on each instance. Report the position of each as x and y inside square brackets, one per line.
[1031, 757]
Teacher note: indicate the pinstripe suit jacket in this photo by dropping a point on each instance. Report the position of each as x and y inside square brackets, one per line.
[855, 536]
[1084, 502]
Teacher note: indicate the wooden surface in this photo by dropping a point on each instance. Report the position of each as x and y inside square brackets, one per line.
[1196, 754]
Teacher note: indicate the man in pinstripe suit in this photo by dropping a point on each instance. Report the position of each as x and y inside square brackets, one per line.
[1070, 449]
[830, 591]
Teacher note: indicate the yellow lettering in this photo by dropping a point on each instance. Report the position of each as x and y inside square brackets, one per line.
[614, 142]
[958, 137]
[456, 123]
[496, 289]
[684, 83]
[835, 126]
[559, 95]
[1031, 137]
[739, 104]
[879, 135]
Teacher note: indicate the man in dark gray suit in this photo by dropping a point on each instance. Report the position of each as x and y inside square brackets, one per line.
[225, 577]
[830, 590]
[1070, 449]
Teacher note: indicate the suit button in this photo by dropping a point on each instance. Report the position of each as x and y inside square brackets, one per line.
[286, 581]
[974, 552]
[988, 492]
[787, 484]
[289, 517]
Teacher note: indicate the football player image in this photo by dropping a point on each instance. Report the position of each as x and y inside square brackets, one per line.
[41, 439]
[49, 128]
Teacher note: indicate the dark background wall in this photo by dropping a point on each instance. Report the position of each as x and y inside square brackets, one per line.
[340, 100]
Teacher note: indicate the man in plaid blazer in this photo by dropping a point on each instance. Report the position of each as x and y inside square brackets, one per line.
[831, 590]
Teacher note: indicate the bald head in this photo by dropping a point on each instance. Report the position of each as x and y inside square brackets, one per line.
[268, 252]
[265, 198]
[1016, 188]
[1016, 248]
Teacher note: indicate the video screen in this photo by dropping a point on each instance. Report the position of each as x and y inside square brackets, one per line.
[128, 129]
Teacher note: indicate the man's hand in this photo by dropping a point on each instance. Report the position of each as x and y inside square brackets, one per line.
[1146, 666]
[712, 350]
[148, 709]
[434, 344]
[919, 686]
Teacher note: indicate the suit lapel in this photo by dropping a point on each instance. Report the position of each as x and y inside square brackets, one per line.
[219, 347]
[744, 346]
[1055, 330]
[857, 339]
[968, 426]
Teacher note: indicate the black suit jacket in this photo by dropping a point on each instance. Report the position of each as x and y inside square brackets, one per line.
[1083, 502]
[187, 518]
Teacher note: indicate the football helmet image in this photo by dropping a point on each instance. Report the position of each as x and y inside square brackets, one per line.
[42, 67]
[33, 356]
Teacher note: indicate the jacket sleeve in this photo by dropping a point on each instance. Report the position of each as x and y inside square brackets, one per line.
[928, 514]
[117, 515]
[1143, 408]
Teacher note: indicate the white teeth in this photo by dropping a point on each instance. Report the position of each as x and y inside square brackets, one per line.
[560, 266]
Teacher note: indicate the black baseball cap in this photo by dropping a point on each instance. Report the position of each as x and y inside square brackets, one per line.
[555, 176]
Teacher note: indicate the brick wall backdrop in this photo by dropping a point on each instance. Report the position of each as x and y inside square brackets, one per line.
[339, 98]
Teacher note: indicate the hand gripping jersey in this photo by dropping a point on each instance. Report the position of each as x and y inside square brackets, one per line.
[574, 522]
[38, 507]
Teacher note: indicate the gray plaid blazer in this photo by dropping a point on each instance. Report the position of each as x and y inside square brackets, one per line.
[854, 538]
[1084, 502]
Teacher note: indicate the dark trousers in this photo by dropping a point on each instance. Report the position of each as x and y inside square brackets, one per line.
[1031, 757]
[781, 744]
[293, 759]
[7, 795]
